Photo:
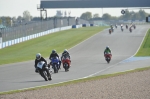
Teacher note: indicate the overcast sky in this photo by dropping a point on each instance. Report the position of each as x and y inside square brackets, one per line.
[17, 7]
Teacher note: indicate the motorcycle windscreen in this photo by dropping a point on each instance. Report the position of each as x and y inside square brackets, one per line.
[40, 64]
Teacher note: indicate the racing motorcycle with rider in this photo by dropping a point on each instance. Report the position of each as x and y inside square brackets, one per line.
[107, 54]
[66, 61]
[55, 61]
[42, 68]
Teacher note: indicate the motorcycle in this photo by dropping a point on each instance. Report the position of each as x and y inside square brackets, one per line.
[134, 26]
[66, 63]
[55, 64]
[109, 31]
[42, 70]
[108, 57]
[130, 30]
[112, 29]
[126, 26]
[121, 29]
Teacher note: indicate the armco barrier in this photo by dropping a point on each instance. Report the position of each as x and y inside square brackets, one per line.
[76, 26]
[85, 25]
[22, 39]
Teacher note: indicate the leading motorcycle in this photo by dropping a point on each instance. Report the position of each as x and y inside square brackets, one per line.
[108, 57]
[43, 70]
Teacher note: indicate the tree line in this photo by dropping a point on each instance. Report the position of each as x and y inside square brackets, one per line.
[129, 15]
[11, 21]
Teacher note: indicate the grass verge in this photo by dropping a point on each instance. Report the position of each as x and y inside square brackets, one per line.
[59, 41]
[145, 47]
[78, 81]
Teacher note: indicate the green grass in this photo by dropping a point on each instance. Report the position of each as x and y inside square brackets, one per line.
[59, 41]
[145, 47]
[77, 81]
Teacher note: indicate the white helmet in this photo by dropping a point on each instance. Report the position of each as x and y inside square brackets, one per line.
[65, 50]
[38, 56]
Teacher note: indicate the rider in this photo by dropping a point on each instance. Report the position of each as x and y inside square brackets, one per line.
[65, 54]
[39, 58]
[116, 25]
[107, 50]
[111, 26]
[121, 25]
[54, 54]
[126, 26]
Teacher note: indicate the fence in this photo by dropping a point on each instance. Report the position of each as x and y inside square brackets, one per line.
[37, 27]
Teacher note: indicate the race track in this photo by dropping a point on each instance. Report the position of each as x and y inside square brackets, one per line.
[87, 60]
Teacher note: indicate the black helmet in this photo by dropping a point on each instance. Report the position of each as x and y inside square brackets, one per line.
[53, 51]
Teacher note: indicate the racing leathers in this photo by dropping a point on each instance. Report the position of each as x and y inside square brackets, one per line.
[106, 51]
[66, 55]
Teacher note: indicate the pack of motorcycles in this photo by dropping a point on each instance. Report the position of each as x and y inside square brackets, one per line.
[66, 62]
[55, 64]
[130, 28]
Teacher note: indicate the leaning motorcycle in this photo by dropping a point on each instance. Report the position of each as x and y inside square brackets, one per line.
[55, 64]
[66, 63]
[108, 57]
[42, 70]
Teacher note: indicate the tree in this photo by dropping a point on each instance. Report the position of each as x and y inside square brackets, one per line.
[86, 15]
[27, 16]
[106, 16]
[143, 14]
[96, 15]
[1, 21]
[8, 21]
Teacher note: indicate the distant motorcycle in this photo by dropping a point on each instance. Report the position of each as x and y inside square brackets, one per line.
[122, 29]
[134, 26]
[66, 63]
[109, 31]
[43, 71]
[130, 29]
[108, 57]
[126, 26]
[112, 29]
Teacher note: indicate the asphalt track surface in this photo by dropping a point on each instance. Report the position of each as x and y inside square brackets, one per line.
[87, 60]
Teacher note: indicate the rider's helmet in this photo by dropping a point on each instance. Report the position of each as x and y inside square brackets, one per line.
[107, 47]
[38, 56]
[53, 51]
[65, 51]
